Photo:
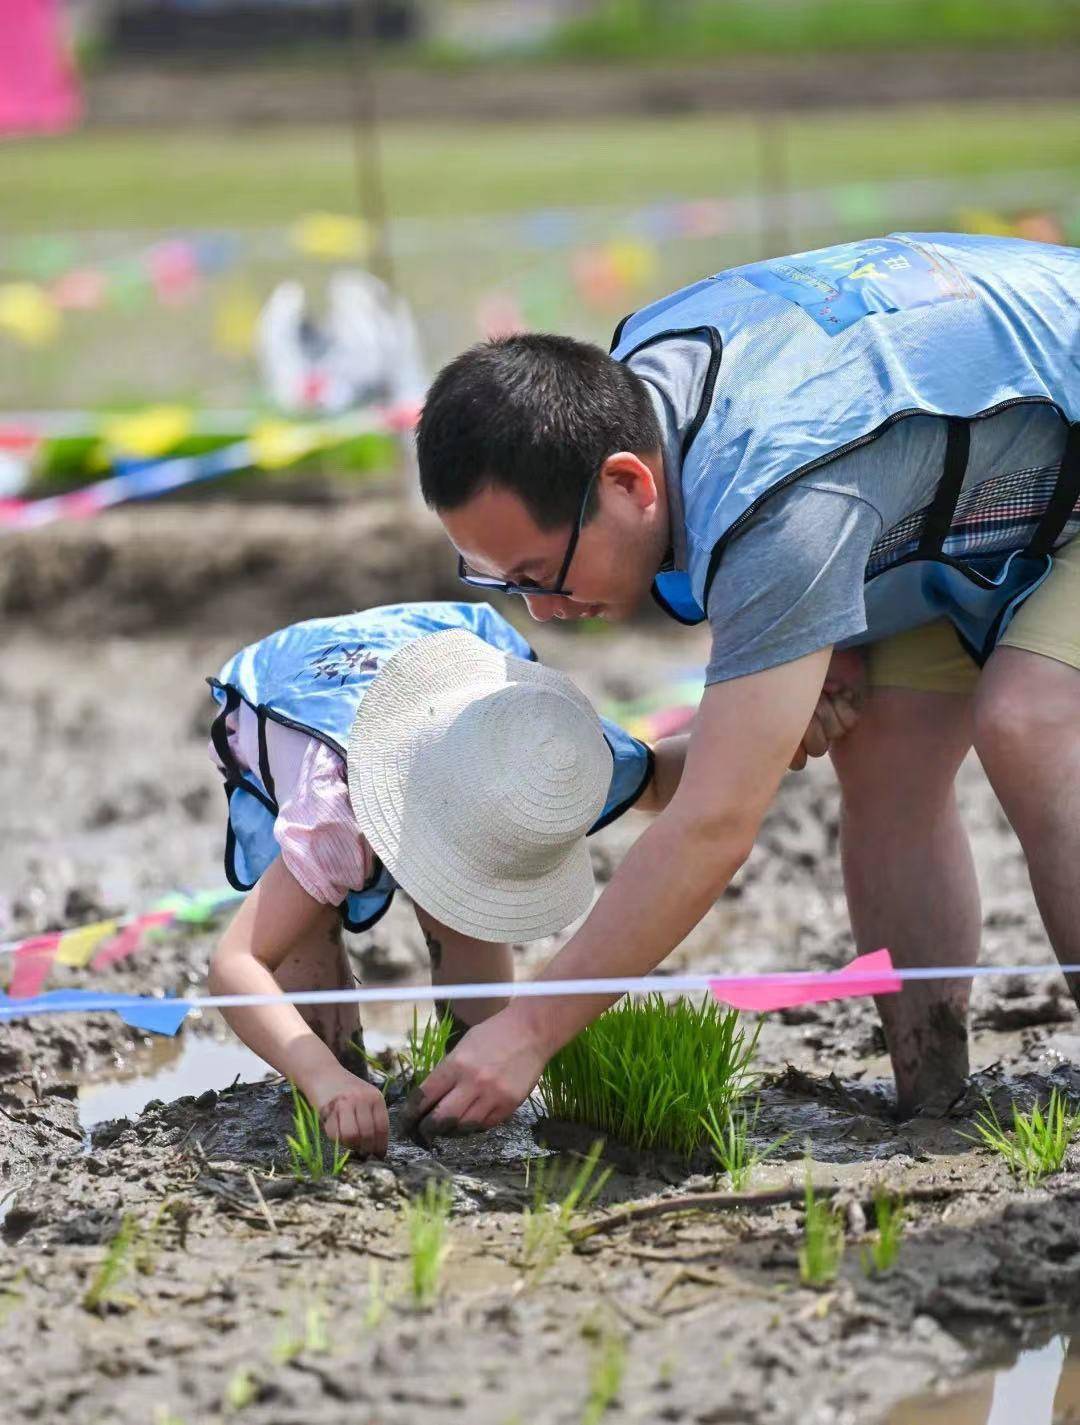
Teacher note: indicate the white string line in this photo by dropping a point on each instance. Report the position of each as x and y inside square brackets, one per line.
[870, 981]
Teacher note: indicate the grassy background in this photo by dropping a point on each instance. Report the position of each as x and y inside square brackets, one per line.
[116, 191]
[694, 29]
[270, 175]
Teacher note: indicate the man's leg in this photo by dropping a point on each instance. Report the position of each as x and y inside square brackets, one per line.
[1027, 734]
[909, 875]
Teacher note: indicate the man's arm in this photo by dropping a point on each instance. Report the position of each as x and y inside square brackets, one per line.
[743, 739]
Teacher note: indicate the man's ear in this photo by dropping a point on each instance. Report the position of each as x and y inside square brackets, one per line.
[629, 476]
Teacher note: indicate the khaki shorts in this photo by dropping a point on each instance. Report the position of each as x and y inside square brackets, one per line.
[932, 659]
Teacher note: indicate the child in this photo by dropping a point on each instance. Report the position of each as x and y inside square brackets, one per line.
[420, 746]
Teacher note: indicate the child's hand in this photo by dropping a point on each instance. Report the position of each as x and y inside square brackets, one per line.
[353, 1112]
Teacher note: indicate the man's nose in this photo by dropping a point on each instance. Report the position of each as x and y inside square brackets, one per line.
[543, 607]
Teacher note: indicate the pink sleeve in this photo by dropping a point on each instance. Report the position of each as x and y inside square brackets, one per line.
[317, 832]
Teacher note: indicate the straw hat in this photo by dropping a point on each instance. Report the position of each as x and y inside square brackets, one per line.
[475, 776]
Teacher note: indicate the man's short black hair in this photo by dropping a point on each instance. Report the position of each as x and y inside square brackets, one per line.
[534, 413]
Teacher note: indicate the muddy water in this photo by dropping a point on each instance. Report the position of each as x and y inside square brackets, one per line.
[1041, 1387]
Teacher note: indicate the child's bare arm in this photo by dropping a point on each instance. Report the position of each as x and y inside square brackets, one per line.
[272, 921]
[669, 754]
[457, 959]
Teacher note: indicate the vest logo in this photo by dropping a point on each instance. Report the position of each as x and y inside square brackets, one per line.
[344, 663]
[838, 286]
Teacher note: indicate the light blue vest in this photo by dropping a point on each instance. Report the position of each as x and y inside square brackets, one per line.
[312, 676]
[817, 354]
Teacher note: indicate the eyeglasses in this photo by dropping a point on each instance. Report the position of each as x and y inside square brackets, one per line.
[527, 587]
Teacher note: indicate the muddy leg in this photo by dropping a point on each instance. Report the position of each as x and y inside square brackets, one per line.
[459, 959]
[910, 879]
[319, 962]
[1027, 735]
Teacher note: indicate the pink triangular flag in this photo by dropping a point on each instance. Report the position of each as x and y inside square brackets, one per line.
[33, 961]
[871, 974]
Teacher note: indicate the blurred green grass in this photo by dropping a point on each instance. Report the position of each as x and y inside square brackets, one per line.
[697, 29]
[168, 179]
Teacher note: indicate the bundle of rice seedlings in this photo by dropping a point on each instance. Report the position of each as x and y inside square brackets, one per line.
[647, 1073]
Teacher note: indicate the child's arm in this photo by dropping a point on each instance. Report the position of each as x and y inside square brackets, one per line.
[669, 754]
[274, 920]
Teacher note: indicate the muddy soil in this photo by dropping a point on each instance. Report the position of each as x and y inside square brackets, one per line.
[242, 1293]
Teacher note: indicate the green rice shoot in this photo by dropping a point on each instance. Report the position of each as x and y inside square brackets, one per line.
[1038, 1143]
[306, 1148]
[428, 1222]
[823, 1240]
[734, 1154]
[881, 1255]
[425, 1047]
[647, 1072]
[558, 1198]
[115, 1267]
[605, 1377]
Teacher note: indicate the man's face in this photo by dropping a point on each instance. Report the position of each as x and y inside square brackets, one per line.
[618, 550]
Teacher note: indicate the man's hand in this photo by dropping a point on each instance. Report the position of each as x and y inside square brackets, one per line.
[353, 1112]
[494, 1068]
[837, 710]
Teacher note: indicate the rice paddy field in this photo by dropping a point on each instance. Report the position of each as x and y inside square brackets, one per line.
[699, 1218]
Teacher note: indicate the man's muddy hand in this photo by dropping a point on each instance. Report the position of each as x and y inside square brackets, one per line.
[493, 1070]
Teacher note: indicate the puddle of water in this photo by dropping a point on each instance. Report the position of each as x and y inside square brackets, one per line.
[190, 1064]
[1041, 1387]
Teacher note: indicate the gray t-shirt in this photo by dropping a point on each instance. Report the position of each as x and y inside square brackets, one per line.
[791, 581]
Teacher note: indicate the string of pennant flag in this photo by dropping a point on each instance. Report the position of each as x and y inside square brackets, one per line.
[270, 445]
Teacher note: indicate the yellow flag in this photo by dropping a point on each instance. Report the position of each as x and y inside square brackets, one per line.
[633, 262]
[77, 946]
[28, 313]
[147, 433]
[278, 443]
[331, 235]
[234, 322]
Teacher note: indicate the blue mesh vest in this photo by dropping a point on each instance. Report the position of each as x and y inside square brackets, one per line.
[816, 354]
[312, 677]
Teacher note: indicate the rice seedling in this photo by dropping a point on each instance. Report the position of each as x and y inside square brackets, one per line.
[730, 1143]
[823, 1240]
[375, 1309]
[425, 1047]
[305, 1144]
[558, 1197]
[880, 1257]
[314, 1338]
[428, 1219]
[646, 1072]
[1038, 1143]
[241, 1389]
[114, 1269]
[605, 1377]
[11, 1297]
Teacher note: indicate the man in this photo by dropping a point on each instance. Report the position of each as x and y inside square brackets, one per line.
[814, 453]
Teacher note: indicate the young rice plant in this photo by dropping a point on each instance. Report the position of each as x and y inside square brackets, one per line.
[428, 1222]
[646, 1072]
[305, 1144]
[880, 1257]
[425, 1047]
[732, 1150]
[823, 1240]
[557, 1199]
[1038, 1143]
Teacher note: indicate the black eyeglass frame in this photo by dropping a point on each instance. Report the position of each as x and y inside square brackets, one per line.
[556, 591]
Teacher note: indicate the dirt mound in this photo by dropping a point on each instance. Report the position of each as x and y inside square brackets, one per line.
[160, 568]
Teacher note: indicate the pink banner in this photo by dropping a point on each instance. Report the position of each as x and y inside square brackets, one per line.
[867, 975]
[38, 94]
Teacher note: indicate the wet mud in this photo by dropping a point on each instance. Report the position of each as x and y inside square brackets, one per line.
[237, 1292]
